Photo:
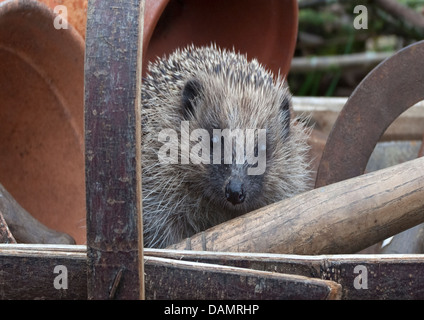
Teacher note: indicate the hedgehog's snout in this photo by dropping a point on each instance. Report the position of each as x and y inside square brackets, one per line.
[235, 191]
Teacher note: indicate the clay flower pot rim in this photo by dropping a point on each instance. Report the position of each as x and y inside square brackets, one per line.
[263, 30]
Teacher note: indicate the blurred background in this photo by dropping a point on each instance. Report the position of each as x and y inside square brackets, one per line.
[332, 56]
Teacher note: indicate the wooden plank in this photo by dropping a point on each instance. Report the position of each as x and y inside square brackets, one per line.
[165, 278]
[308, 266]
[27, 273]
[324, 112]
[343, 217]
[193, 280]
[361, 276]
[387, 277]
[113, 146]
[41, 273]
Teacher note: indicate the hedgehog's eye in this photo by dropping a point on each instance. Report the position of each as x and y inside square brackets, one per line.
[191, 91]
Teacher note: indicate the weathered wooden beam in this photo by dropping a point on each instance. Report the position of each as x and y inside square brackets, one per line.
[377, 276]
[28, 273]
[165, 278]
[194, 280]
[43, 272]
[361, 276]
[343, 217]
[113, 149]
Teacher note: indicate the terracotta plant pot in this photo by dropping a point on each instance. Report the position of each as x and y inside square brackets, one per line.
[266, 30]
[41, 85]
[41, 116]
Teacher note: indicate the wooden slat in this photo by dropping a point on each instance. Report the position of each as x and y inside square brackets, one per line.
[308, 266]
[192, 280]
[343, 217]
[30, 273]
[27, 273]
[113, 136]
[388, 276]
[165, 278]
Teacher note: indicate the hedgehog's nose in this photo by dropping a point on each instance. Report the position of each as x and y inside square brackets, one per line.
[234, 191]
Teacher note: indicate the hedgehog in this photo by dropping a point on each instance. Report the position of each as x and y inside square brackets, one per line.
[192, 181]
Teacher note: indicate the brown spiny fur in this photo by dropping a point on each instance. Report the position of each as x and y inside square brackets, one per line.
[180, 200]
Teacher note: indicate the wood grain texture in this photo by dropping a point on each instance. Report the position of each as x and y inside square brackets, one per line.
[112, 109]
[344, 217]
[193, 280]
[27, 273]
[387, 276]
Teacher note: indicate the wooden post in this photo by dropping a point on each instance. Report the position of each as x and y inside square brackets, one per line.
[113, 149]
[343, 217]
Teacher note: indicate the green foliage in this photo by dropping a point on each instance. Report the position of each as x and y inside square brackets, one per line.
[328, 30]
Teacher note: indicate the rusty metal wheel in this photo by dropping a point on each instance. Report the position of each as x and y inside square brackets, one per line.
[392, 87]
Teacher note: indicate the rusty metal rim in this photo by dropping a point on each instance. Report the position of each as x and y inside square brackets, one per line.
[387, 91]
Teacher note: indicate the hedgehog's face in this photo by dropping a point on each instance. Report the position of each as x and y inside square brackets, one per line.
[241, 125]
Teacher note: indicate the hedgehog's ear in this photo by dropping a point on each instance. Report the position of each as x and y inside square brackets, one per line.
[285, 116]
[192, 89]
